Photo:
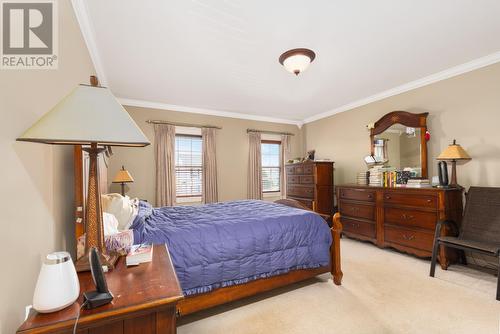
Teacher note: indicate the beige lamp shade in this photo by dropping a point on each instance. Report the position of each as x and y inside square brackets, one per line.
[123, 176]
[454, 152]
[87, 115]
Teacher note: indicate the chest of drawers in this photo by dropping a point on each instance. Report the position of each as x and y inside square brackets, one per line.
[401, 218]
[311, 183]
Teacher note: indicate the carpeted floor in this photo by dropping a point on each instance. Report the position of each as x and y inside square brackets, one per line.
[382, 292]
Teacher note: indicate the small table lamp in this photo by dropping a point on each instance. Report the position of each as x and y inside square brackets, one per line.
[89, 115]
[454, 152]
[123, 176]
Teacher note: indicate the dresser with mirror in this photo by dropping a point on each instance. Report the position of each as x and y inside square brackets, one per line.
[402, 217]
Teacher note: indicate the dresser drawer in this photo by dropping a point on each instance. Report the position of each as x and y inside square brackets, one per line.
[358, 227]
[301, 191]
[304, 169]
[306, 179]
[293, 179]
[411, 218]
[357, 194]
[290, 170]
[411, 238]
[423, 201]
[357, 210]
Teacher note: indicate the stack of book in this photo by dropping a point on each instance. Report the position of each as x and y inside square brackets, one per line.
[375, 178]
[362, 178]
[417, 183]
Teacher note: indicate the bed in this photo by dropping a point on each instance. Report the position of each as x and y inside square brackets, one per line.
[227, 251]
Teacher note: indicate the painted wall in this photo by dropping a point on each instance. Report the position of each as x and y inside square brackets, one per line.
[37, 179]
[232, 152]
[466, 107]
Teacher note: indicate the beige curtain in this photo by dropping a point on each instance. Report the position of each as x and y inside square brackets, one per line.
[209, 189]
[165, 164]
[285, 154]
[254, 167]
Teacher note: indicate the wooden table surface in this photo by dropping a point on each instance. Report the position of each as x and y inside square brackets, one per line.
[134, 289]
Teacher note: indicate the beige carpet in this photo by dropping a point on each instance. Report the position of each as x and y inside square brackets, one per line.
[382, 292]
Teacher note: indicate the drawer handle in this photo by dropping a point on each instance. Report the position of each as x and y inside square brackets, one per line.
[408, 237]
[355, 225]
[387, 197]
[354, 209]
[407, 217]
[429, 201]
[370, 196]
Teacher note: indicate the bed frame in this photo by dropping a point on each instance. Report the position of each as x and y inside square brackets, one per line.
[191, 304]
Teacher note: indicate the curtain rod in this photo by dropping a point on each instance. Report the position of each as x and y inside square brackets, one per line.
[271, 132]
[150, 121]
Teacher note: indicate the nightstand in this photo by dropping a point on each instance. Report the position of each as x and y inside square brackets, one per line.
[145, 299]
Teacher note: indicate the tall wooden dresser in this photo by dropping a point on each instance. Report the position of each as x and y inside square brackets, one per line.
[311, 183]
[401, 218]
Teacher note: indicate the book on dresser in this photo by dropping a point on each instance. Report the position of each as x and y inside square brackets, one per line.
[311, 183]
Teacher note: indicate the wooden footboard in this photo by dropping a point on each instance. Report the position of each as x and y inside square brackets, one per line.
[228, 294]
[336, 268]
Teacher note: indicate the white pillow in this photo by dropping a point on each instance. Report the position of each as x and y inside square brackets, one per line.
[110, 224]
[122, 207]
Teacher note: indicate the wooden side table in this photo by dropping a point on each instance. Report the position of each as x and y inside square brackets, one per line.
[145, 299]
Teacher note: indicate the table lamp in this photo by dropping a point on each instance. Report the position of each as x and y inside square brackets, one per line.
[122, 177]
[89, 115]
[454, 153]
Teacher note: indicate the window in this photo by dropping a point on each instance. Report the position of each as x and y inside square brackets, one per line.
[188, 166]
[271, 166]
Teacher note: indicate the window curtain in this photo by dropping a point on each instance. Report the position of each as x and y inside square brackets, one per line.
[209, 178]
[254, 167]
[165, 164]
[285, 154]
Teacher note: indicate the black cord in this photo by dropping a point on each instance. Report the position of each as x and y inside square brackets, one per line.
[78, 316]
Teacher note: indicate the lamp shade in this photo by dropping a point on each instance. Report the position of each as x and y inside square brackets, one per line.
[89, 114]
[123, 176]
[454, 152]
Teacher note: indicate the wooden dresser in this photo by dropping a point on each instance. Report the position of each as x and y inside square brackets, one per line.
[311, 183]
[401, 218]
[145, 299]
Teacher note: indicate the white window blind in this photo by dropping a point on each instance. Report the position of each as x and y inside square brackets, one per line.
[271, 166]
[188, 165]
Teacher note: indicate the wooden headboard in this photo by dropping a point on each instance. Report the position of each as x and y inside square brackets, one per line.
[81, 168]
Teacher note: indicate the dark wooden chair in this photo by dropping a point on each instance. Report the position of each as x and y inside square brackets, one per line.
[480, 231]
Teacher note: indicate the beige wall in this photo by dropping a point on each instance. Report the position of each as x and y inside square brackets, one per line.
[232, 152]
[466, 107]
[37, 180]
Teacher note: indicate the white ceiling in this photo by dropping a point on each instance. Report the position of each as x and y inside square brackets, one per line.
[221, 57]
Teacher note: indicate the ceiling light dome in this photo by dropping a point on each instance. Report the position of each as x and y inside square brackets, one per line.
[297, 60]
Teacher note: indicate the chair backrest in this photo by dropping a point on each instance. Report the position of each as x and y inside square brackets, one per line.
[481, 221]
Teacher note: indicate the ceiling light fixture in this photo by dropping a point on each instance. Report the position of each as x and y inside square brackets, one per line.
[297, 60]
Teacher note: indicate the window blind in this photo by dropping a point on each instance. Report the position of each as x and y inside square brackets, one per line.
[271, 166]
[188, 165]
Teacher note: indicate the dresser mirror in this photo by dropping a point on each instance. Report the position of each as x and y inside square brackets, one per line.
[398, 140]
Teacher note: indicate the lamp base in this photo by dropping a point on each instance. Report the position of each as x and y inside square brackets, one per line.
[83, 263]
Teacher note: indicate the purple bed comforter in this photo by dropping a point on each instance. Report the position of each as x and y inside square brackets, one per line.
[229, 243]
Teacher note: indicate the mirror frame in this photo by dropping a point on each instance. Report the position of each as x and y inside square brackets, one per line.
[407, 119]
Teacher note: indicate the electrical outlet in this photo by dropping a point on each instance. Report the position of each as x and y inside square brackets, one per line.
[27, 310]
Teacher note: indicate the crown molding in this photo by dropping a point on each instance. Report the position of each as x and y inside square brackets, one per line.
[443, 75]
[211, 112]
[86, 26]
[81, 12]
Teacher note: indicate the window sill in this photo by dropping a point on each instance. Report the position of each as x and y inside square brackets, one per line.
[272, 194]
[188, 200]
